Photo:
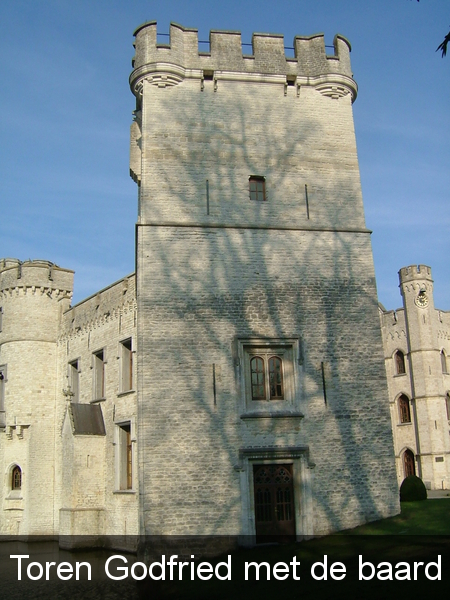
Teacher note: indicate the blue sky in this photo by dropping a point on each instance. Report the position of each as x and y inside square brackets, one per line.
[65, 112]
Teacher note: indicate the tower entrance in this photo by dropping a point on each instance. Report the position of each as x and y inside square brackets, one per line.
[274, 503]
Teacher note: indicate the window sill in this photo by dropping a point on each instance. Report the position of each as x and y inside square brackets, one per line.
[400, 374]
[125, 492]
[97, 400]
[14, 495]
[267, 414]
[403, 424]
[125, 393]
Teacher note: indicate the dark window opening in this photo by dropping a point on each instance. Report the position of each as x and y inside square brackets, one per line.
[404, 408]
[257, 188]
[409, 463]
[400, 363]
[16, 478]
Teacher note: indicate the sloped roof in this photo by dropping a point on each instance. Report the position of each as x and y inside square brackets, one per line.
[87, 419]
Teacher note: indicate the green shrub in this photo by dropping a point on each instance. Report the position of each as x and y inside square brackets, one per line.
[412, 489]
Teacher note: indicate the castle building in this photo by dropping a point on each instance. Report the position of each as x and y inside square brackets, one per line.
[234, 386]
[416, 349]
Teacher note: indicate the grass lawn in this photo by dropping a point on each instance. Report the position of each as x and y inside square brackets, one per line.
[420, 533]
[430, 517]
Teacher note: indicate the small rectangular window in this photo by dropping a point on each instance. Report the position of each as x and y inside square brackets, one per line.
[98, 366]
[257, 187]
[126, 366]
[74, 380]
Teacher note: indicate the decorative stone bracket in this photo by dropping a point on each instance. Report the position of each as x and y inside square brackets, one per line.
[18, 428]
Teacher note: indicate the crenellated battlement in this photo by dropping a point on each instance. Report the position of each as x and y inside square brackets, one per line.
[414, 272]
[35, 274]
[170, 63]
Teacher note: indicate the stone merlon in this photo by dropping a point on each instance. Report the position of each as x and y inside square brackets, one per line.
[181, 58]
[34, 273]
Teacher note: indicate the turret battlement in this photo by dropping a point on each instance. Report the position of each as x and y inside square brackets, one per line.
[181, 58]
[35, 274]
[414, 272]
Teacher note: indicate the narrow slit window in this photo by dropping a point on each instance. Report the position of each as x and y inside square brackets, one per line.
[99, 374]
[125, 457]
[126, 383]
[257, 188]
[74, 380]
[16, 478]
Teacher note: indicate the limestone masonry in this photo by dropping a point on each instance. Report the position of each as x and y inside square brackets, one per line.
[235, 385]
[416, 349]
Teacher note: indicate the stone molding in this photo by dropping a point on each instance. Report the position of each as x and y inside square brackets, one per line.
[163, 75]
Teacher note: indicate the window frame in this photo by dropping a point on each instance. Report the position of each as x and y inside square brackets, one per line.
[14, 486]
[286, 349]
[98, 375]
[409, 462]
[124, 441]
[126, 371]
[444, 363]
[404, 409]
[73, 376]
[399, 362]
[259, 183]
[264, 359]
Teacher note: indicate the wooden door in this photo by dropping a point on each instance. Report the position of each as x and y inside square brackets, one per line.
[274, 503]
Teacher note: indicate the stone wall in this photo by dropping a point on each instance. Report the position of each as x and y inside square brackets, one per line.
[218, 273]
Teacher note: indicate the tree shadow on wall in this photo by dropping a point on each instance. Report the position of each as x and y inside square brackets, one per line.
[254, 270]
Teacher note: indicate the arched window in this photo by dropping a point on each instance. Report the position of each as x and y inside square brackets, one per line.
[267, 377]
[444, 361]
[399, 359]
[409, 463]
[404, 409]
[258, 378]
[447, 404]
[16, 478]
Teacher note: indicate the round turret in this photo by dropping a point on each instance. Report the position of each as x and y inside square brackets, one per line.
[33, 296]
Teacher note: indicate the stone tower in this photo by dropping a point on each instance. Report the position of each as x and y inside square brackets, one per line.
[34, 294]
[428, 372]
[259, 347]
